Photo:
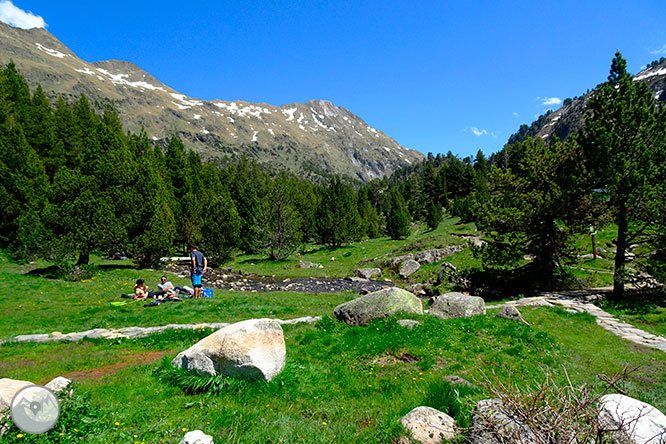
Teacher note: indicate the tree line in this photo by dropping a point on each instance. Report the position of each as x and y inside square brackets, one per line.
[72, 183]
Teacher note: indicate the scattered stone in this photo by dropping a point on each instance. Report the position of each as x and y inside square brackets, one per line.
[380, 304]
[408, 323]
[587, 256]
[457, 380]
[302, 264]
[249, 349]
[59, 384]
[417, 289]
[196, 437]
[366, 273]
[511, 312]
[408, 268]
[333, 258]
[638, 421]
[457, 305]
[9, 388]
[492, 424]
[428, 425]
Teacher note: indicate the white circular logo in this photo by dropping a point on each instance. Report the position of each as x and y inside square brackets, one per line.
[35, 409]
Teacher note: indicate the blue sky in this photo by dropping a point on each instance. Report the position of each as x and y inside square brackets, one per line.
[434, 75]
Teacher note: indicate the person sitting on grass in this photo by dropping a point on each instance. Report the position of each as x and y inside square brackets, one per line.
[140, 289]
[166, 288]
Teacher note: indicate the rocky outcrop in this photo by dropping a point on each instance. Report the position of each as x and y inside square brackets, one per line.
[408, 323]
[428, 425]
[457, 305]
[252, 349]
[636, 421]
[408, 268]
[366, 273]
[510, 312]
[303, 264]
[380, 304]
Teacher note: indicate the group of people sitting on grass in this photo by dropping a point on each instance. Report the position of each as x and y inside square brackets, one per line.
[166, 291]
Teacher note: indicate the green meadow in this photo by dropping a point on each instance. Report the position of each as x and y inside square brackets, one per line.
[340, 384]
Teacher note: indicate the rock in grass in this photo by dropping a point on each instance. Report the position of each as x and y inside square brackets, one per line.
[251, 349]
[366, 273]
[9, 388]
[428, 425]
[196, 437]
[59, 384]
[408, 323]
[637, 421]
[510, 312]
[408, 267]
[457, 305]
[376, 305]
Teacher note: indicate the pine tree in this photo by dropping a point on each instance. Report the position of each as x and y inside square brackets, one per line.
[281, 232]
[624, 143]
[337, 219]
[397, 219]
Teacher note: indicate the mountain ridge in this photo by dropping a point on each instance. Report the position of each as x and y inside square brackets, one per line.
[570, 117]
[316, 137]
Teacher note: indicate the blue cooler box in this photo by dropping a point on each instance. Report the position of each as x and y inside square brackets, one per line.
[207, 292]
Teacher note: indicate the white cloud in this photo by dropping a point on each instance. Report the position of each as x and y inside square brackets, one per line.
[515, 114]
[476, 131]
[548, 101]
[660, 51]
[19, 18]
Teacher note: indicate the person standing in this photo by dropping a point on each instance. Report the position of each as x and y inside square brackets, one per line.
[199, 264]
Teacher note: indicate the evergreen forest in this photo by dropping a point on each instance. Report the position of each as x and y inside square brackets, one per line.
[73, 184]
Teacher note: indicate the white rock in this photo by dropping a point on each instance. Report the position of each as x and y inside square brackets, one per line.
[251, 349]
[428, 425]
[9, 388]
[58, 384]
[196, 437]
[641, 422]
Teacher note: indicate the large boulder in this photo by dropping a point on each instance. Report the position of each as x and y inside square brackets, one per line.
[408, 268]
[9, 388]
[428, 425]
[250, 349]
[380, 304]
[457, 305]
[636, 421]
[366, 273]
[493, 424]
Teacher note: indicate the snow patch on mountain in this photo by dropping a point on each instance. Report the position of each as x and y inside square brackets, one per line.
[51, 52]
[289, 113]
[651, 72]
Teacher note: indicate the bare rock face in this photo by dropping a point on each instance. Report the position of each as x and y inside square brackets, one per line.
[638, 422]
[408, 267]
[252, 349]
[510, 312]
[380, 304]
[366, 273]
[457, 305]
[428, 425]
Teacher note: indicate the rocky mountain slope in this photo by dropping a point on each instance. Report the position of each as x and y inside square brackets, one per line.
[570, 118]
[313, 138]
